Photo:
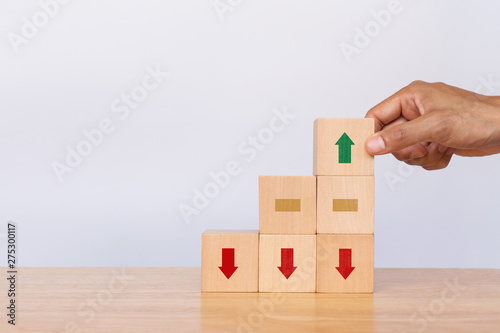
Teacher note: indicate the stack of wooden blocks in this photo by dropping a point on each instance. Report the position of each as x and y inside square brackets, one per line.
[316, 232]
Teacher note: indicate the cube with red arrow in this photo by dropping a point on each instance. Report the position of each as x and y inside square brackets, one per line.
[345, 263]
[229, 261]
[287, 263]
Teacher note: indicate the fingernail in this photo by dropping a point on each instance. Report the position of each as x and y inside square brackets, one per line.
[417, 154]
[442, 148]
[375, 145]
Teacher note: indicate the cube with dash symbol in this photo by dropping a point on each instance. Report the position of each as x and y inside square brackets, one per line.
[287, 205]
[346, 204]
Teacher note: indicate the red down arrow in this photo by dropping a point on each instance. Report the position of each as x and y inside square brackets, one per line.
[228, 267]
[287, 267]
[345, 265]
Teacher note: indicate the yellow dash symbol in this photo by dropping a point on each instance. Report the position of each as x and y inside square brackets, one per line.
[287, 205]
[345, 205]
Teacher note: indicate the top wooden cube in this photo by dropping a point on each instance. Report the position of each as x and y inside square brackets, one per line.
[339, 147]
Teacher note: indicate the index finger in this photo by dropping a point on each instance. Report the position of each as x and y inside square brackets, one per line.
[400, 104]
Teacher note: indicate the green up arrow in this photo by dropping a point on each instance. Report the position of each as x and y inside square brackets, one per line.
[344, 144]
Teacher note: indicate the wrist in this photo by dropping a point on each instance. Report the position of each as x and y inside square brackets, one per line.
[494, 102]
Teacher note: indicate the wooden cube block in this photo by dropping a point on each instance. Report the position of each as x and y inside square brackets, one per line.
[287, 205]
[346, 204]
[287, 263]
[339, 147]
[230, 261]
[345, 263]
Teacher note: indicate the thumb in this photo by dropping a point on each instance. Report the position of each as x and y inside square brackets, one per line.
[400, 136]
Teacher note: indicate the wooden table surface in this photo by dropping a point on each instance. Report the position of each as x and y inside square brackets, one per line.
[169, 300]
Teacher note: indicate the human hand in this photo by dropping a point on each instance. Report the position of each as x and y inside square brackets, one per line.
[426, 123]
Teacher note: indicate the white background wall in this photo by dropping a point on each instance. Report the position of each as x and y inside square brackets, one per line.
[227, 73]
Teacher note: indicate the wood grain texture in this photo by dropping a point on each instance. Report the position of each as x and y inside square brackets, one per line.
[326, 154]
[246, 258]
[361, 221]
[303, 279]
[169, 300]
[287, 187]
[329, 279]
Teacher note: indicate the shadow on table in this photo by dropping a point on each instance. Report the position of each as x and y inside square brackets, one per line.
[285, 312]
